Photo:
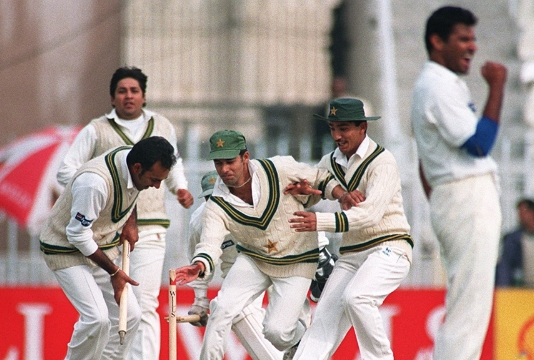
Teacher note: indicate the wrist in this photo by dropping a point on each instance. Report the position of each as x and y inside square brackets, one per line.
[115, 272]
[342, 196]
[201, 268]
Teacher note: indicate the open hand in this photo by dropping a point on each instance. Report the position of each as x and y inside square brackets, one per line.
[188, 273]
[301, 188]
[306, 221]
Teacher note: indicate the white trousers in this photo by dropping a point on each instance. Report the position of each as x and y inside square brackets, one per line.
[146, 266]
[466, 218]
[248, 327]
[96, 333]
[244, 283]
[353, 293]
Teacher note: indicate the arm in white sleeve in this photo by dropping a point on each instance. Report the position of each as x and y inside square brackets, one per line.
[298, 171]
[382, 185]
[331, 184]
[195, 229]
[89, 194]
[200, 286]
[176, 179]
[208, 250]
[80, 151]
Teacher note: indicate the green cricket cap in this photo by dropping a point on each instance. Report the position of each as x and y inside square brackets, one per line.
[207, 183]
[226, 144]
[346, 109]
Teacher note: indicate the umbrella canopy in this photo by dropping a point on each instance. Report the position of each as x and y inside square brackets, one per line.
[28, 166]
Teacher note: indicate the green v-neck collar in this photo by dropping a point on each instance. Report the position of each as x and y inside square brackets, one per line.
[271, 205]
[117, 212]
[353, 183]
[125, 138]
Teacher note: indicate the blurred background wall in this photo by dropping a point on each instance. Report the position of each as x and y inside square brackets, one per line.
[56, 61]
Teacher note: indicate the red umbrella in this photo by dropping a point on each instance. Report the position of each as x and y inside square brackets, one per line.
[28, 166]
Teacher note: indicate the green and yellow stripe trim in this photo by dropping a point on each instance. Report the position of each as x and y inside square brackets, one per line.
[342, 223]
[163, 222]
[371, 243]
[263, 221]
[311, 256]
[125, 138]
[208, 260]
[358, 174]
[55, 249]
[116, 213]
[322, 185]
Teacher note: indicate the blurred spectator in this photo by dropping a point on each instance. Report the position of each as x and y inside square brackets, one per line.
[516, 264]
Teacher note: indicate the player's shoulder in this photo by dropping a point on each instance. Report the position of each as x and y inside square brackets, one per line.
[198, 211]
[212, 204]
[281, 160]
[383, 158]
[98, 120]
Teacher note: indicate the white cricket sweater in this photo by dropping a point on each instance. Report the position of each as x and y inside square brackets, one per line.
[262, 231]
[151, 202]
[58, 252]
[378, 219]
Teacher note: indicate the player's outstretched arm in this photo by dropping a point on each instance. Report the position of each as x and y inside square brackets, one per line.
[186, 274]
[301, 188]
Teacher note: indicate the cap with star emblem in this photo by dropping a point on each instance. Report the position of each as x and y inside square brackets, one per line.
[207, 183]
[346, 109]
[226, 144]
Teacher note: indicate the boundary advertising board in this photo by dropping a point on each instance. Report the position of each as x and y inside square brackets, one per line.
[37, 323]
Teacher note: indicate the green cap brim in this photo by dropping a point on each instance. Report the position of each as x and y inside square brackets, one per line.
[223, 154]
[367, 118]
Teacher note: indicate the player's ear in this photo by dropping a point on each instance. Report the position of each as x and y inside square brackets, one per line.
[437, 42]
[246, 156]
[137, 168]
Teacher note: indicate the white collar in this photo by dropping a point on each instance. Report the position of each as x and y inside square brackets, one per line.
[341, 158]
[220, 188]
[124, 168]
[145, 115]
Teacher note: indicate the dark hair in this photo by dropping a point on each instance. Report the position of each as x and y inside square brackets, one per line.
[443, 20]
[149, 151]
[127, 72]
[527, 202]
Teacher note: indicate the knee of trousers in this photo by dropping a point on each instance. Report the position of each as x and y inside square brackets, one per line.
[359, 304]
[100, 324]
[134, 315]
[282, 339]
